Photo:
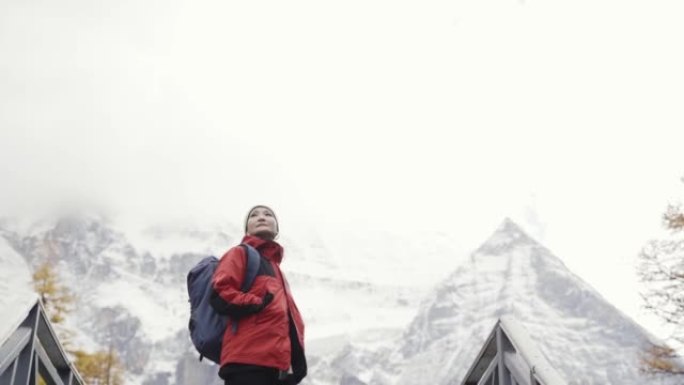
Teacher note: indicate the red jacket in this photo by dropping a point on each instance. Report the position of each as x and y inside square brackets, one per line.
[263, 338]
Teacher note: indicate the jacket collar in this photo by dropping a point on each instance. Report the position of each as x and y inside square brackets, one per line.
[269, 249]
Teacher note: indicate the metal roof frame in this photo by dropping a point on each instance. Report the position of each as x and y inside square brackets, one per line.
[32, 351]
[510, 357]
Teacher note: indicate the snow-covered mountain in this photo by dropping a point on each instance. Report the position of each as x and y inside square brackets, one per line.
[380, 310]
[584, 337]
[130, 285]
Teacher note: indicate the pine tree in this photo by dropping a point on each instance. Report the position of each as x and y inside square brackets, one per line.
[55, 296]
[662, 270]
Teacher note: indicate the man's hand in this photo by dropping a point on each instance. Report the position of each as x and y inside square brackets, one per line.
[237, 311]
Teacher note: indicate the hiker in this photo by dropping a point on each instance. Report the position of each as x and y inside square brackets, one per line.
[267, 346]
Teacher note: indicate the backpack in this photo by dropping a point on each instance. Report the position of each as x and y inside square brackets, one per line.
[206, 325]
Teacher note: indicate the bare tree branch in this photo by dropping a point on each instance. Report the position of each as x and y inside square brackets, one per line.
[661, 269]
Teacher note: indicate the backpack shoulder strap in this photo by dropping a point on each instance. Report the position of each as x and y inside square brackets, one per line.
[253, 263]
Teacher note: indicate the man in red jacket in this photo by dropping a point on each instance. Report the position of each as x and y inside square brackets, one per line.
[268, 346]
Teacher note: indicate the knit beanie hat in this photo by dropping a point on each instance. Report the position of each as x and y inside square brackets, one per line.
[264, 207]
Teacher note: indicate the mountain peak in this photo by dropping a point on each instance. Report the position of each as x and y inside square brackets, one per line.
[507, 236]
[585, 338]
[510, 226]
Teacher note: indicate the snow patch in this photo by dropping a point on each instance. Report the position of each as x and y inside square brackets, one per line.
[17, 295]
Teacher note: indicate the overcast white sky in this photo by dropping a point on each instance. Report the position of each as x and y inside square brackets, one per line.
[356, 116]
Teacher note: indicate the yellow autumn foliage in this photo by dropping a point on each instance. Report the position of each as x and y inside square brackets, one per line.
[99, 368]
[55, 296]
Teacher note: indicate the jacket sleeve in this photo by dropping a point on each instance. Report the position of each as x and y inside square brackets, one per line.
[227, 297]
